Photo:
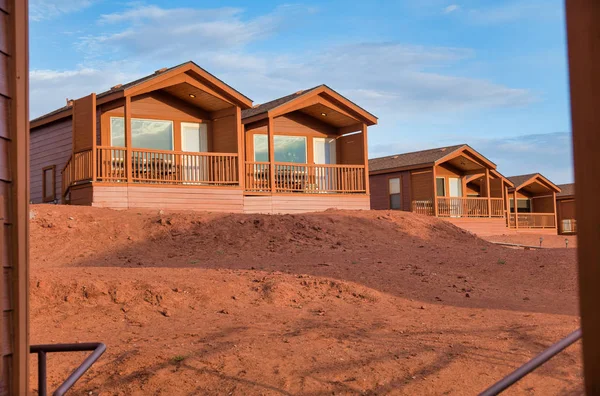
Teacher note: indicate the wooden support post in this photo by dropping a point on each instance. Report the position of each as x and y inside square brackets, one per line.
[435, 201]
[554, 205]
[270, 131]
[94, 140]
[515, 209]
[366, 157]
[487, 188]
[240, 149]
[583, 34]
[127, 130]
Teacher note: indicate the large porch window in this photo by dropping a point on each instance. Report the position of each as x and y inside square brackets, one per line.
[287, 148]
[148, 134]
[523, 205]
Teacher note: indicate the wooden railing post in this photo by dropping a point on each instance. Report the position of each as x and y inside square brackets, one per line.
[435, 201]
[366, 157]
[516, 209]
[270, 131]
[554, 205]
[128, 146]
[487, 187]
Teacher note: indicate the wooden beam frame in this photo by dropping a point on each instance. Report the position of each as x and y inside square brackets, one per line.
[488, 193]
[583, 38]
[270, 132]
[127, 127]
[366, 157]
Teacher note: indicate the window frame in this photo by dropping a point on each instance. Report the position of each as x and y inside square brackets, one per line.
[389, 194]
[278, 135]
[141, 119]
[46, 198]
[437, 195]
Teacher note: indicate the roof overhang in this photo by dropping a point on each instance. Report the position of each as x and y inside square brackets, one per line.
[314, 102]
[539, 179]
[470, 154]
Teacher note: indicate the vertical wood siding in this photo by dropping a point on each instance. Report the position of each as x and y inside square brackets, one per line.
[14, 144]
[421, 184]
[380, 194]
[224, 135]
[50, 144]
[543, 204]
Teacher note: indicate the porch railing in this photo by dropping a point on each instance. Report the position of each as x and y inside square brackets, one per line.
[532, 220]
[424, 207]
[306, 178]
[78, 168]
[470, 207]
[167, 167]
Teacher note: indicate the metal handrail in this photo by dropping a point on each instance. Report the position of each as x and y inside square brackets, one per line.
[98, 349]
[531, 365]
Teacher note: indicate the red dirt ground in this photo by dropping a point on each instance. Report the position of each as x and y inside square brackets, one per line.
[334, 302]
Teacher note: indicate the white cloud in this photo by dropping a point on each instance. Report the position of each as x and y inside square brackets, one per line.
[451, 8]
[48, 9]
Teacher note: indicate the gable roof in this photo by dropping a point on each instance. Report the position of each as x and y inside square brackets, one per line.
[520, 180]
[566, 190]
[189, 65]
[423, 157]
[265, 108]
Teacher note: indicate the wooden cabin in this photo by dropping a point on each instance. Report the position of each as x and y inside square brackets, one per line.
[565, 209]
[455, 182]
[176, 139]
[14, 192]
[306, 151]
[535, 196]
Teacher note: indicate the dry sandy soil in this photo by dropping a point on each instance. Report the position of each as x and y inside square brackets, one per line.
[325, 303]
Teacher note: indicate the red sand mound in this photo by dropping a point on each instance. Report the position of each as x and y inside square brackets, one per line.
[344, 302]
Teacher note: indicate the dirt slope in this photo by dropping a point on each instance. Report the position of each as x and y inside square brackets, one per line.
[345, 302]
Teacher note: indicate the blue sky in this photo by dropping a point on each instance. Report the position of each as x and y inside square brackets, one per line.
[492, 74]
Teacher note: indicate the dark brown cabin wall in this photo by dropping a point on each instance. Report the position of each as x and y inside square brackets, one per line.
[421, 184]
[543, 204]
[224, 135]
[380, 190]
[51, 144]
[565, 210]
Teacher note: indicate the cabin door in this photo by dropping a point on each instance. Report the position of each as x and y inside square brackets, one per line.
[455, 190]
[324, 154]
[194, 139]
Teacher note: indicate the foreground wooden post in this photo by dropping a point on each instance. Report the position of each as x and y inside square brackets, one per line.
[366, 157]
[583, 33]
[241, 149]
[435, 200]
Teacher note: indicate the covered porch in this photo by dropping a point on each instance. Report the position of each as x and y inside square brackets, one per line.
[535, 207]
[466, 185]
[181, 126]
[310, 142]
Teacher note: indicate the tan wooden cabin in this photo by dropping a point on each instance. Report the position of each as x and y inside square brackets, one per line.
[536, 203]
[177, 139]
[565, 209]
[456, 183]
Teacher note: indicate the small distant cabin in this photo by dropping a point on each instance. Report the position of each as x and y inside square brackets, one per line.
[565, 209]
[456, 183]
[180, 138]
[535, 198]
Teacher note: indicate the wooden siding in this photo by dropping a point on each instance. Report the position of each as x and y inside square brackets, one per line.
[380, 199]
[84, 123]
[351, 150]
[81, 195]
[50, 145]
[224, 135]
[542, 204]
[496, 188]
[565, 210]
[281, 204]
[421, 184]
[14, 198]
[481, 226]
[169, 197]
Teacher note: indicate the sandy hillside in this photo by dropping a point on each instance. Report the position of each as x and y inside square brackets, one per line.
[343, 302]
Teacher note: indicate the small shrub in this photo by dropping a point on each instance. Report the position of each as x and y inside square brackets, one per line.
[501, 261]
[178, 358]
[354, 262]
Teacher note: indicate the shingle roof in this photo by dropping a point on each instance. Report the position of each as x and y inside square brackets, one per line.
[136, 82]
[520, 179]
[263, 108]
[410, 159]
[566, 190]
